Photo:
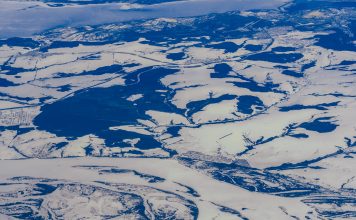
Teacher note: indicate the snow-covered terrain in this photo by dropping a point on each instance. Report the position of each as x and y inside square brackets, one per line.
[246, 113]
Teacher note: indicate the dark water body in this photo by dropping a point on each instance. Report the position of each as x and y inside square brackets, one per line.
[347, 62]
[27, 18]
[19, 42]
[321, 125]
[276, 57]
[246, 102]
[301, 135]
[292, 73]
[221, 70]
[176, 56]
[252, 47]
[307, 66]
[19, 130]
[336, 41]
[255, 87]
[228, 47]
[197, 106]
[283, 49]
[323, 106]
[95, 110]
[6, 83]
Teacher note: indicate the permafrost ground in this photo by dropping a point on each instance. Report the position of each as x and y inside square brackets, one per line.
[246, 114]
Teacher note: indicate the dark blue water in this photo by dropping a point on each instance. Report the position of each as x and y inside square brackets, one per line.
[20, 42]
[173, 130]
[95, 110]
[8, 70]
[300, 135]
[321, 125]
[256, 87]
[176, 56]
[58, 146]
[336, 41]
[322, 106]
[276, 57]
[228, 47]
[196, 106]
[64, 88]
[254, 48]
[221, 70]
[246, 102]
[43, 189]
[347, 62]
[6, 83]
[307, 66]
[283, 49]
[292, 73]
